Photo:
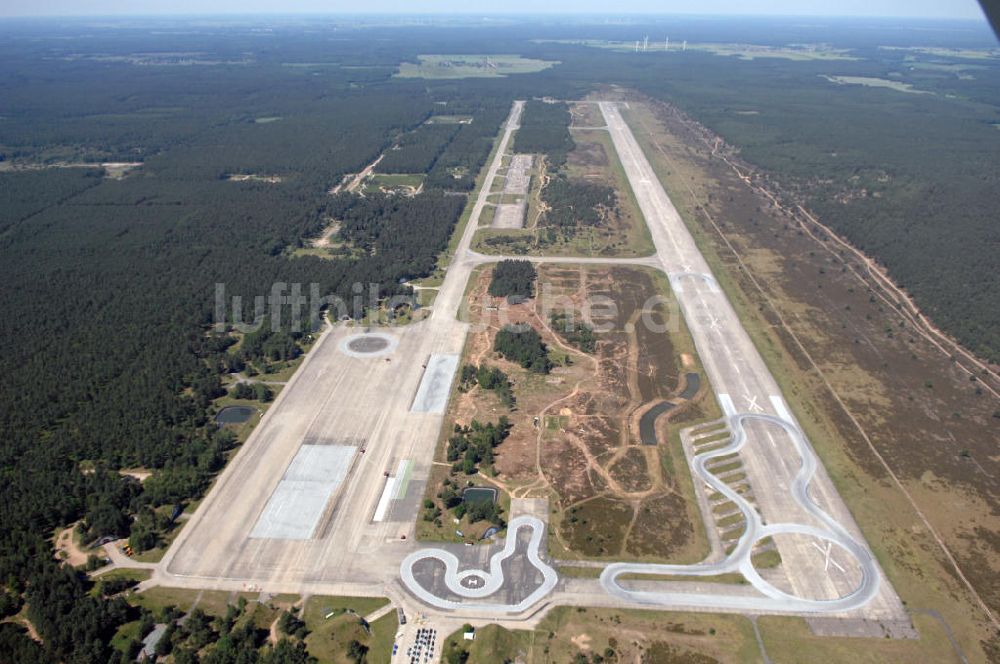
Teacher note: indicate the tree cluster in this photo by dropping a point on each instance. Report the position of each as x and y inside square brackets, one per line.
[513, 278]
[252, 391]
[522, 344]
[488, 378]
[471, 447]
[571, 203]
[545, 130]
[574, 332]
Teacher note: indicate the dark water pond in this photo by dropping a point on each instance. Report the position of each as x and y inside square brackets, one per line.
[476, 494]
[234, 415]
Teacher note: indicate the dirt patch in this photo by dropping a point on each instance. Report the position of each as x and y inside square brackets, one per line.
[574, 435]
[637, 637]
[68, 549]
[586, 115]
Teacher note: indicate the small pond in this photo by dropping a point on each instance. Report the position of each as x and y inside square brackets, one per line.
[479, 494]
[234, 415]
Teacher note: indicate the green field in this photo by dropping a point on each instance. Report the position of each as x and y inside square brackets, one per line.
[799, 52]
[333, 622]
[471, 66]
[871, 82]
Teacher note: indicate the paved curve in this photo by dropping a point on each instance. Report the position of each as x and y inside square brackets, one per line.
[493, 579]
[740, 558]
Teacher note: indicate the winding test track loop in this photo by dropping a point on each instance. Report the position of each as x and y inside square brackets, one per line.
[739, 560]
[493, 579]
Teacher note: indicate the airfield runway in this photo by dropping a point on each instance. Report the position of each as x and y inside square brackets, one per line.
[379, 394]
[379, 399]
[774, 449]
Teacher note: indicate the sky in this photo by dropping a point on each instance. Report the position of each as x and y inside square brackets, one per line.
[958, 9]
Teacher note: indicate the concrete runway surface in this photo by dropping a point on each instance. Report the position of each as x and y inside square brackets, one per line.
[344, 396]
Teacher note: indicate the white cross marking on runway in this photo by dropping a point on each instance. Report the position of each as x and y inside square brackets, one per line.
[713, 323]
[752, 404]
[687, 268]
[828, 559]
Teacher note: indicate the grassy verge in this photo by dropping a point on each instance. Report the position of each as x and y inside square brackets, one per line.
[636, 636]
[492, 643]
[333, 622]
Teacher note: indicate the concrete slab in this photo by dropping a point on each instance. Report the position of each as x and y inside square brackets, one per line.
[432, 395]
[509, 215]
[297, 503]
[518, 174]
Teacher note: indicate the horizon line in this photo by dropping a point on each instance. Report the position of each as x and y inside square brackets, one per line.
[484, 15]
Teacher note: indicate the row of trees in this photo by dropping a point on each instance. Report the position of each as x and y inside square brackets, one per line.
[545, 130]
[252, 391]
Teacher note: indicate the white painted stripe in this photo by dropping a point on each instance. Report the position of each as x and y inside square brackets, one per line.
[728, 407]
[383, 502]
[781, 408]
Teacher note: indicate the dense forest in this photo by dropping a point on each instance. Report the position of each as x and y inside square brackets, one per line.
[513, 278]
[456, 167]
[418, 150]
[111, 358]
[571, 203]
[545, 130]
[401, 237]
